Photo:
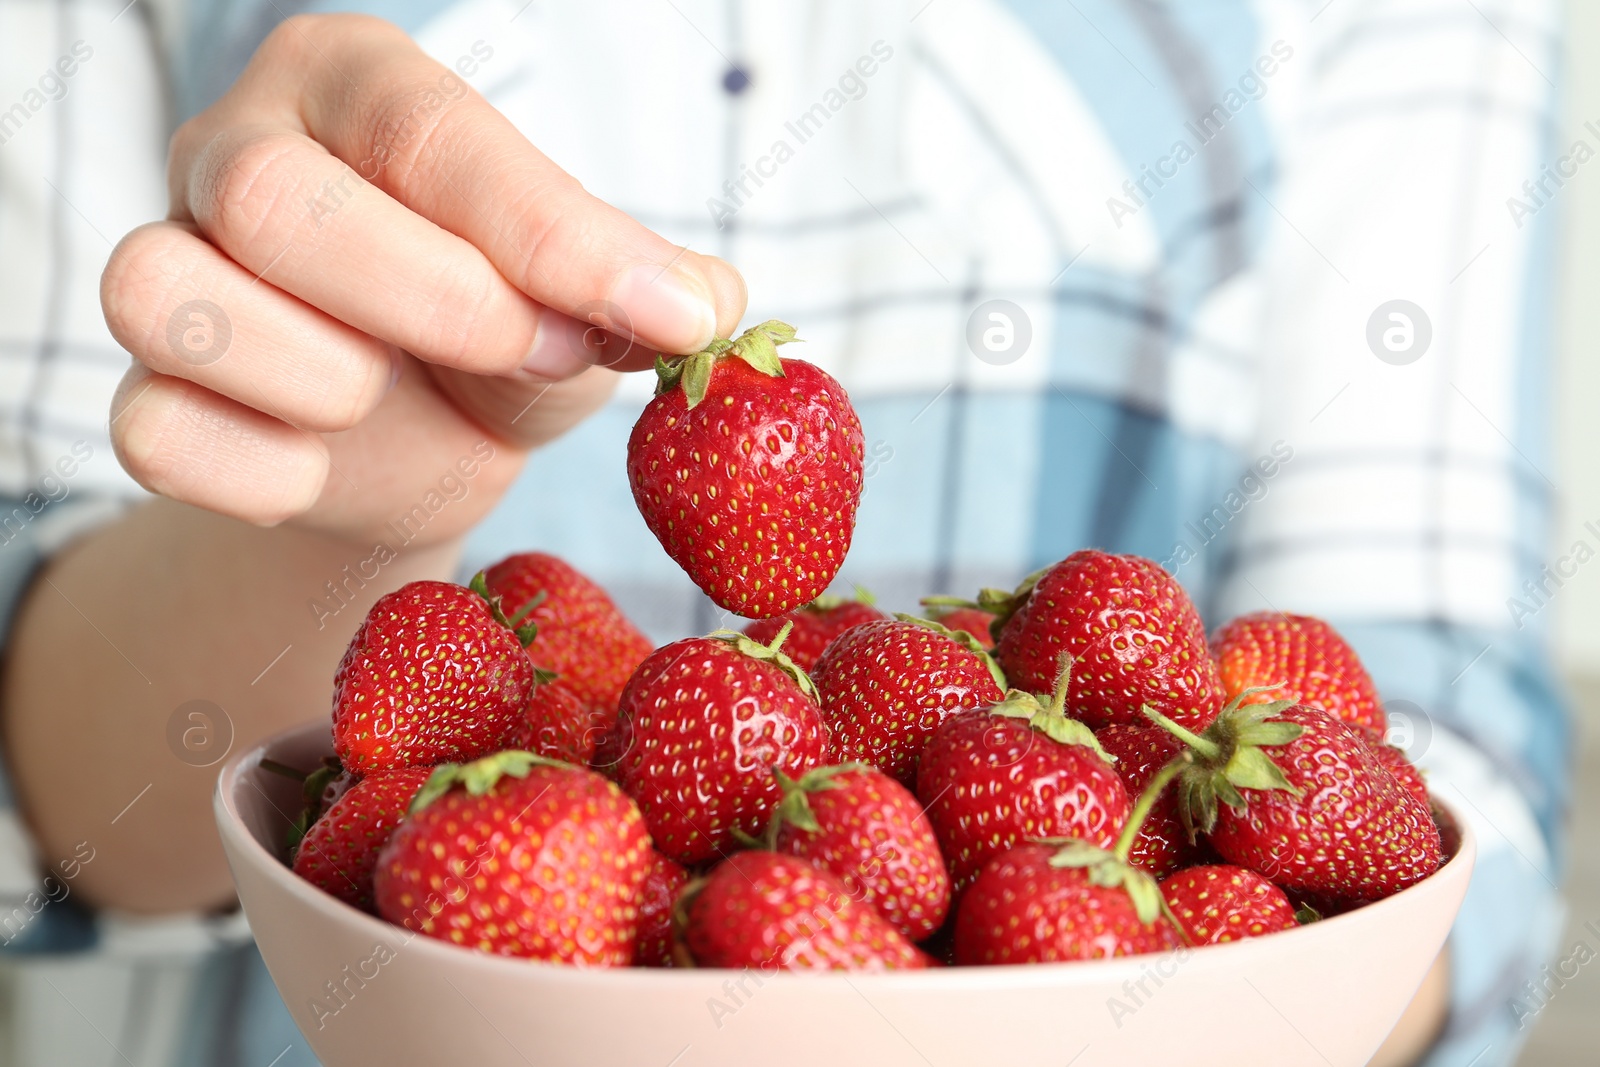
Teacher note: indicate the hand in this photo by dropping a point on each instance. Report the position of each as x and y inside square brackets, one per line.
[395, 284]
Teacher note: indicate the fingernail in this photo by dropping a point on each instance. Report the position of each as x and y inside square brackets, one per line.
[396, 362]
[662, 310]
[561, 347]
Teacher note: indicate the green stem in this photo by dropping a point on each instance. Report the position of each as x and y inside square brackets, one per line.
[1058, 698]
[783, 634]
[1146, 801]
[1206, 747]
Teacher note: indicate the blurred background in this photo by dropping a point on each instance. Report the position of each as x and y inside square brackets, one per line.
[1565, 1034]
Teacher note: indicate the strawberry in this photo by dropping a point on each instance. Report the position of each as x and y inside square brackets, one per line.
[962, 618]
[868, 831]
[704, 723]
[747, 468]
[1054, 901]
[582, 636]
[993, 777]
[886, 686]
[560, 725]
[657, 895]
[770, 912]
[1219, 903]
[1405, 772]
[815, 624]
[1130, 628]
[1321, 816]
[340, 850]
[435, 672]
[1162, 845]
[518, 855]
[1300, 659]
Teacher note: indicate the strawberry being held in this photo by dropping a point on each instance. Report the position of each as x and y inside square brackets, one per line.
[434, 673]
[704, 723]
[747, 468]
[1133, 634]
[518, 855]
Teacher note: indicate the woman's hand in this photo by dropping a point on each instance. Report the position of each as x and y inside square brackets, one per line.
[367, 274]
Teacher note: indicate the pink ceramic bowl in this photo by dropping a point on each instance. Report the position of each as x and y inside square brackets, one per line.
[365, 992]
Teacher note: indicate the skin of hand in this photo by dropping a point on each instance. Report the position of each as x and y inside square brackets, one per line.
[303, 375]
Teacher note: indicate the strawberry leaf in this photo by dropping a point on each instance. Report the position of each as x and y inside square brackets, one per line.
[769, 654]
[1250, 768]
[480, 776]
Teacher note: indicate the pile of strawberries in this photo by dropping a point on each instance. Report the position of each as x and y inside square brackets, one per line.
[1065, 771]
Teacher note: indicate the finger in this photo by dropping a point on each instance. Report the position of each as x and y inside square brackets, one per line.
[422, 136]
[534, 414]
[184, 309]
[182, 441]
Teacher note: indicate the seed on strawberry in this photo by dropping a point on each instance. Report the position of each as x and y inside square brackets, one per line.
[434, 673]
[815, 625]
[517, 855]
[886, 687]
[657, 895]
[583, 637]
[1163, 844]
[560, 725]
[1134, 637]
[704, 723]
[993, 777]
[340, 850]
[1300, 659]
[1321, 815]
[747, 468]
[1220, 903]
[1405, 772]
[868, 831]
[770, 912]
[962, 616]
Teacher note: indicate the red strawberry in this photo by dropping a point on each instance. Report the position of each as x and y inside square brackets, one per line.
[886, 686]
[771, 912]
[868, 831]
[1321, 815]
[704, 723]
[339, 852]
[1044, 903]
[1300, 659]
[747, 468]
[963, 616]
[662, 884]
[532, 858]
[993, 777]
[1405, 772]
[560, 725]
[1133, 634]
[816, 624]
[1141, 751]
[582, 636]
[1220, 903]
[434, 673]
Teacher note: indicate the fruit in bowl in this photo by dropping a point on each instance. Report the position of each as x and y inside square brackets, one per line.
[470, 890]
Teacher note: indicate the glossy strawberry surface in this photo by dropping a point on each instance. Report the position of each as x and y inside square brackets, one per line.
[562, 726]
[1162, 845]
[1217, 903]
[657, 894]
[1021, 909]
[887, 686]
[340, 850]
[583, 636]
[989, 782]
[702, 727]
[974, 621]
[871, 834]
[430, 676]
[1133, 634]
[814, 627]
[1354, 831]
[754, 490]
[1305, 658]
[770, 912]
[546, 867]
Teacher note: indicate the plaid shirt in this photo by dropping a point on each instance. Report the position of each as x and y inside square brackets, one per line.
[1257, 290]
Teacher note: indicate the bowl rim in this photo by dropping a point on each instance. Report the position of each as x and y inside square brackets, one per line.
[1017, 975]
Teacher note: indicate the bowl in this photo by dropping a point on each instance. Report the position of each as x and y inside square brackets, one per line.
[365, 992]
